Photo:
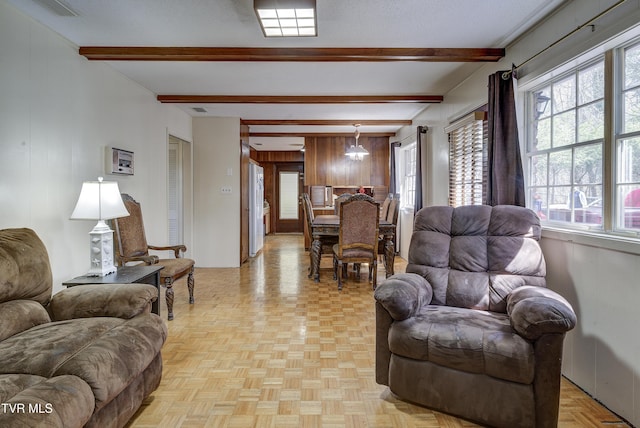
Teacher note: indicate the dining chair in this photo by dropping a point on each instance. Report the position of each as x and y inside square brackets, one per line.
[358, 236]
[339, 200]
[326, 242]
[131, 246]
[391, 217]
[384, 209]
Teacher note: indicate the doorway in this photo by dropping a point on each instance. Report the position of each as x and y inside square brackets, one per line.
[178, 191]
[289, 179]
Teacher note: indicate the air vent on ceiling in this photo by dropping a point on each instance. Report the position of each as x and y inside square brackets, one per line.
[57, 7]
[200, 109]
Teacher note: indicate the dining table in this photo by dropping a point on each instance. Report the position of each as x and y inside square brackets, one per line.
[329, 225]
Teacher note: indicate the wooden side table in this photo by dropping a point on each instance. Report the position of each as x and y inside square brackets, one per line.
[141, 274]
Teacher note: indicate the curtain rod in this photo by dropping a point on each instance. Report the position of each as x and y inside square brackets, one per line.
[589, 23]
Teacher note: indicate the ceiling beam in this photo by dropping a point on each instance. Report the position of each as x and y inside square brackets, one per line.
[319, 134]
[295, 99]
[151, 53]
[328, 122]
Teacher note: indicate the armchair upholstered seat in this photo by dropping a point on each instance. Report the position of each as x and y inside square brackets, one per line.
[471, 328]
[131, 246]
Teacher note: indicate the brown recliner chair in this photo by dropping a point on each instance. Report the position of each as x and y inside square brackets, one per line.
[131, 246]
[86, 356]
[471, 328]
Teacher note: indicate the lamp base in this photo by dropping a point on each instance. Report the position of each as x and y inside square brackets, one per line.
[101, 250]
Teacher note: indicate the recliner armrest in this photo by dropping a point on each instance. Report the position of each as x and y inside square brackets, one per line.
[102, 300]
[403, 294]
[535, 311]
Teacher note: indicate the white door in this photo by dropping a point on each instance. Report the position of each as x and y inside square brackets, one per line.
[174, 186]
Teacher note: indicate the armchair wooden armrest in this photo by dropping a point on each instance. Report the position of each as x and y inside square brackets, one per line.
[175, 248]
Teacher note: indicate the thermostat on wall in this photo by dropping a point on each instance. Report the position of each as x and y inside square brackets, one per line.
[119, 161]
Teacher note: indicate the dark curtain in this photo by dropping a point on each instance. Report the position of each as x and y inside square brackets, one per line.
[393, 185]
[417, 204]
[505, 179]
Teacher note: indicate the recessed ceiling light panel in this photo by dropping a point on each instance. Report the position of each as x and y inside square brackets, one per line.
[287, 18]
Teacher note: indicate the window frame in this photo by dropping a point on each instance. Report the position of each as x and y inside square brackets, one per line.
[613, 62]
[408, 163]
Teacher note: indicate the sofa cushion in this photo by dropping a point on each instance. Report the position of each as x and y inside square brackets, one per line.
[30, 401]
[20, 315]
[24, 263]
[107, 353]
[474, 256]
[465, 339]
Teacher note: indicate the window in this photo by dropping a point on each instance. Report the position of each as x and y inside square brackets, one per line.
[568, 146]
[408, 174]
[628, 141]
[468, 160]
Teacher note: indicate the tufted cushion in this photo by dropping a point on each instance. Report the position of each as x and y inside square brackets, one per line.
[479, 342]
[474, 256]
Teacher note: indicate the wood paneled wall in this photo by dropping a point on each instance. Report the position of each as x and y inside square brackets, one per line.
[269, 161]
[325, 162]
[284, 156]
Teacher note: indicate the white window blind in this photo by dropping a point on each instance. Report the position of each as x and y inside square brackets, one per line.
[468, 160]
[289, 195]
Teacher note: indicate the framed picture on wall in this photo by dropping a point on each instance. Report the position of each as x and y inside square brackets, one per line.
[119, 161]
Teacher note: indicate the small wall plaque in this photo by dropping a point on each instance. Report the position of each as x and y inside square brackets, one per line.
[119, 161]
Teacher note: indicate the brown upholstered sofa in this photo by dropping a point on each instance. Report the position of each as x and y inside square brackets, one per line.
[86, 356]
[471, 328]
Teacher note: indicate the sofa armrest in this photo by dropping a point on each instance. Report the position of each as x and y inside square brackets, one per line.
[403, 294]
[535, 311]
[102, 300]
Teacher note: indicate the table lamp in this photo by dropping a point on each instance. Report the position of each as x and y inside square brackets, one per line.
[100, 200]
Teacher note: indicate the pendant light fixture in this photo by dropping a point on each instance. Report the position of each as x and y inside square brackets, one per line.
[356, 151]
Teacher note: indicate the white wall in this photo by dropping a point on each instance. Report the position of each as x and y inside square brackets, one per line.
[598, 276]
[58, 112]
[216, 153]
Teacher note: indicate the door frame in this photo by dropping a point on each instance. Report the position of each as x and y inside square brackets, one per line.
[289, 226]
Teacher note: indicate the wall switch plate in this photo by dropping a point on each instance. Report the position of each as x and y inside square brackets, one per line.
[226, 190]
[229, 171]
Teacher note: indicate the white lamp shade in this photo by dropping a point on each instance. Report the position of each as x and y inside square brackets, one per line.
[99, 200]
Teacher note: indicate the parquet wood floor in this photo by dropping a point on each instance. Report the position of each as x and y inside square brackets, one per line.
[264, 346]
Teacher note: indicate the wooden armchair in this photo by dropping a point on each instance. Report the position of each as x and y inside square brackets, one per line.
[131, 246]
